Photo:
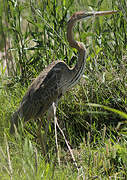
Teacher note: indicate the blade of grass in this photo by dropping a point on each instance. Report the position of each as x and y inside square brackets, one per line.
[124, 115]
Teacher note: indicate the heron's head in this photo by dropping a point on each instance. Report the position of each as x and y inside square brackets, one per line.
[84, 15]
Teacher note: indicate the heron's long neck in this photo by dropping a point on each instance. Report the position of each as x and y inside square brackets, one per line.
[78, 70]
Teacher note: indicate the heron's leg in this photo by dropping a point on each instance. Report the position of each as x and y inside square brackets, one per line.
[49, 117]
[41, 138]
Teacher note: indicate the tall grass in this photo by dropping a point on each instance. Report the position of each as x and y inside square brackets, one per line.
[32, 35]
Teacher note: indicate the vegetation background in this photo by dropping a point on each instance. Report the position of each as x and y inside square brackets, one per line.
[32, 35]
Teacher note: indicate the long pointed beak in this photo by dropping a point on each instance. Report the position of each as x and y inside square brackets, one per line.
[102, 13]
[83, 15]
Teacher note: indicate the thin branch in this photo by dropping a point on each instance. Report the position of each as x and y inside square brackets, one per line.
[72, 155]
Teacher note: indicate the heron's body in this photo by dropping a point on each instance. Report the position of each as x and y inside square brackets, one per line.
[54, 80]
[47, 88]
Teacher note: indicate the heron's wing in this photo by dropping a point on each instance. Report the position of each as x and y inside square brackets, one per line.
[43, 92]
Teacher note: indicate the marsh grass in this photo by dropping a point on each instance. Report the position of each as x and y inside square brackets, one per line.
[32, 35]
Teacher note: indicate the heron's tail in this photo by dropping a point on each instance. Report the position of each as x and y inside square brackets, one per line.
[14, 121]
